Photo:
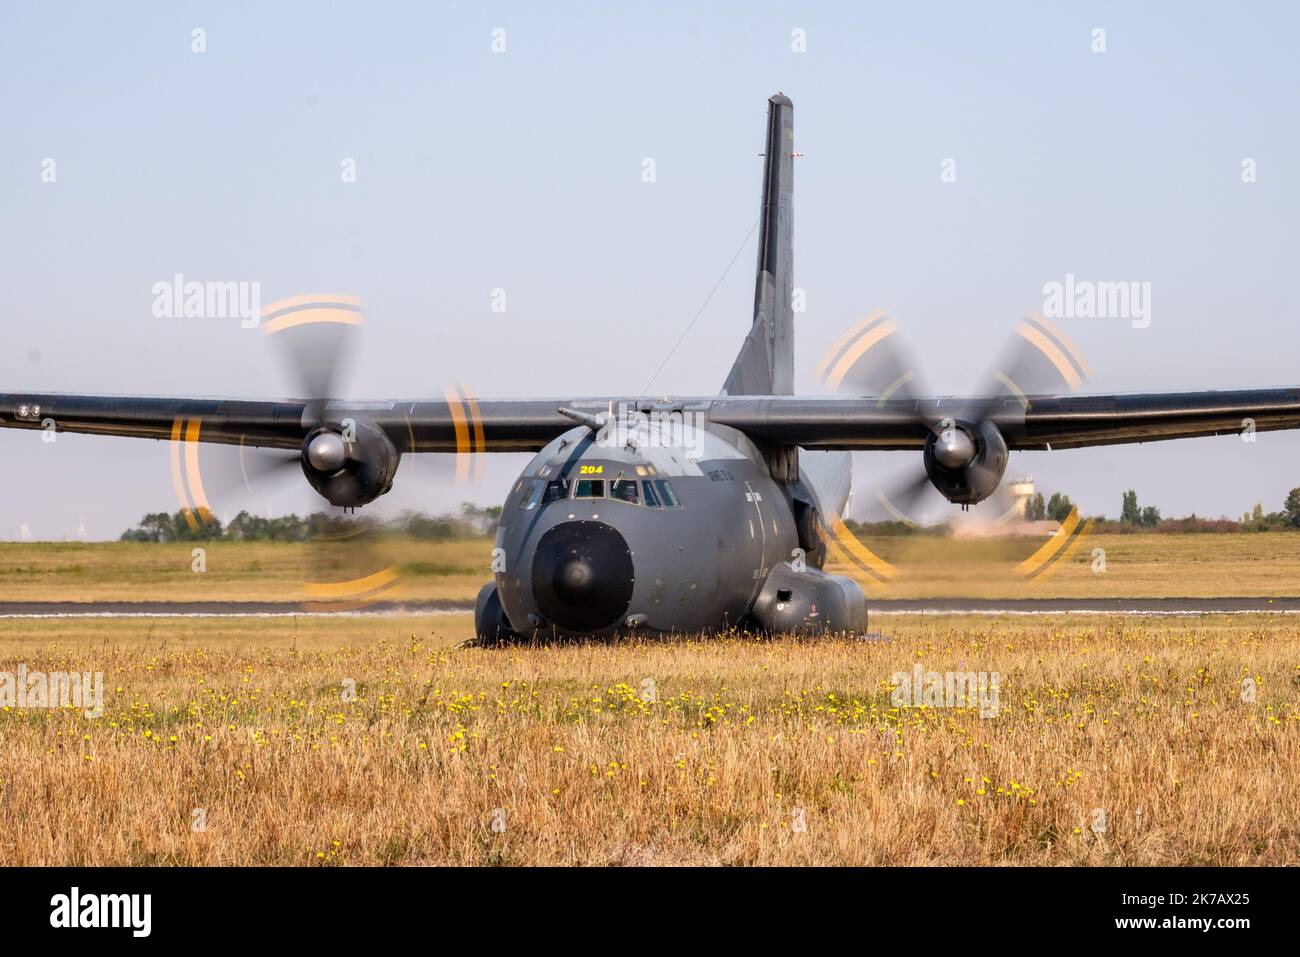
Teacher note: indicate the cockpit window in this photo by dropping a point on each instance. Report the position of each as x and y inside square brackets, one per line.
[532, 496]
[651, 496]
[625, 490]
[666, 494]
[590, 488]
[556, 489]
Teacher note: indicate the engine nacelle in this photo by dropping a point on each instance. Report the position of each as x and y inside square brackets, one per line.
[965, 462]
[350, 466]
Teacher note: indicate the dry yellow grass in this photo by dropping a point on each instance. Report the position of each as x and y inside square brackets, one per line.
[1142, 720]
[1136, 566]
[1145, 565]
[235, 571]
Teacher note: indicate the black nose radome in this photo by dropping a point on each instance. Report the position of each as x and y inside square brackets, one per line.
[582, 576]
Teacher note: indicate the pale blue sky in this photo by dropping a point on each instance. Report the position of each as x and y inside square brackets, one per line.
[522, 171]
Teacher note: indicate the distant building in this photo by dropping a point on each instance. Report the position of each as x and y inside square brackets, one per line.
[1021, 491]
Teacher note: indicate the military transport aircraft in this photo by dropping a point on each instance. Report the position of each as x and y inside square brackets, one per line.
[671, 514]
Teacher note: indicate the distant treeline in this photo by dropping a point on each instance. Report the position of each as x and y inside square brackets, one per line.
[472, 522]
[1133, 518]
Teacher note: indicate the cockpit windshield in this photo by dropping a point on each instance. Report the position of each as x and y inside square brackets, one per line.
[652, 493]
[590, 488]
[625, 490]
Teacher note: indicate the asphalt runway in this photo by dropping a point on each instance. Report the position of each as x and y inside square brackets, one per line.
[891, 606]
[220, 609]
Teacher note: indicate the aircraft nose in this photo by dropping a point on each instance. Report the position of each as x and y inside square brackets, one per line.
[577, 577]
[582, 576]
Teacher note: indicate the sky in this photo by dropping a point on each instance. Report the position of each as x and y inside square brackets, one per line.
[956, 159]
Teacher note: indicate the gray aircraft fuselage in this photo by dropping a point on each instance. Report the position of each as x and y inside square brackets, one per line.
[657, 535]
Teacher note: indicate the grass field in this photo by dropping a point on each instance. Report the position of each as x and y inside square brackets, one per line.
[1135, 566]
[1116, 742]
[1149, 565]
[234, 571]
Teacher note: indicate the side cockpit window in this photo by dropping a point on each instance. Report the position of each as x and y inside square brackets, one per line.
[556, 489]
[666, 494]
[659, 494]
[532, 495]
[651, 496]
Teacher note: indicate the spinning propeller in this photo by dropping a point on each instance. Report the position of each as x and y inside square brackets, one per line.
[965, 455]
[348, 461]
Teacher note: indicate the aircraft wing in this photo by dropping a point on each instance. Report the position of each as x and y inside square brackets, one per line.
[1075, 421]
[459, 422]
[1031, 422]
[268, 424]
[455, 423]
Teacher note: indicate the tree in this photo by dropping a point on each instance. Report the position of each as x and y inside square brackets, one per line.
[1292, 508]
[1150, 517]
[1059, 507]
[435, 528]
[177, 527]
[285, 528]
[1255, 520]
[1035, 509]
[482, 520]
[473, 521]
[1129, 514]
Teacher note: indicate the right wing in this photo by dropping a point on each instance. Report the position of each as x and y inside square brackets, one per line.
[457, 423]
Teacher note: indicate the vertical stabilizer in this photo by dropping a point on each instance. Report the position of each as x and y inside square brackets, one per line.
[765, 365]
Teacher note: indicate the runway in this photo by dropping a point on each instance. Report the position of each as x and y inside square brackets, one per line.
[891, 606]
[221, 609]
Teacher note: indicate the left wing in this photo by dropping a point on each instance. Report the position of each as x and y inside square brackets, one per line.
[1029, 422]
[1076, 421]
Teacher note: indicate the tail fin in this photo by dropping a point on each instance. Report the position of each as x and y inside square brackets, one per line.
[765, 365]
